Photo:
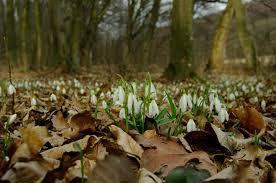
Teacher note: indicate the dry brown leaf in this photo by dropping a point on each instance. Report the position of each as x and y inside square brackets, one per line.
[113, 169]
[75, 171]
[25, 172]
[146, 176]
[82, 121]
[57, 152]
[165, 155]
[35, 137]
[128, 144]
[250, 119]
[59, 122]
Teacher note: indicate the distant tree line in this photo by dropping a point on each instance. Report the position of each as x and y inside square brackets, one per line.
[42, 34]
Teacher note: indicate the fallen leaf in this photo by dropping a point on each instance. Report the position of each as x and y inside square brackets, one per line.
[146, 176]
[128, 144]
[113, 169]
[57, 152]
[34, 137]
[25, 172]
[82, 121]
[59, 121]
[250, 119]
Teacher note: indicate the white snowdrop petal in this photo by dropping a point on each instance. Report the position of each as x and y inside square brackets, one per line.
[191, 126]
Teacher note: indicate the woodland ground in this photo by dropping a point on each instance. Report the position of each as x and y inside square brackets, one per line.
[85, 128]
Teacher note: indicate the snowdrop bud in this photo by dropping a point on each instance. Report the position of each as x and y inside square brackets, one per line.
[33, 102]
[191, 126]
[221, 115]
[93, 99]
[153, 109]
[183, 102]
[11, 90]
[12, 118]
[263, 105]
[244, 88]
[104, 104]
[53, 97]
[0, 91]
[58, 88]
[122, 113]
[217, 105]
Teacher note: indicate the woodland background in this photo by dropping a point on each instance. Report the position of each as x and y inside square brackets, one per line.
[121, 34]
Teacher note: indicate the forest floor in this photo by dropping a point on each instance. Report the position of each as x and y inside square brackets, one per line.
[101, 128]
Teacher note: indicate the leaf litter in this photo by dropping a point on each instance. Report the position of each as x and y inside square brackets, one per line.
[39, 145]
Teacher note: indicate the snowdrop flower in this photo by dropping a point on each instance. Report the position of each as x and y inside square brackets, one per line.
[263, 105]
[33, 102]
[223, 115]
[194, 99]
[121, 95]
[153, 109]
[183, 103]
[104, 104]
[11, 90]
[102, 95]
[211, 97]
[53, 97]
[93, 99]
[226, 115]
[131, 103]
[137, 106]
[82, 91]
[244, 89]
[211, 107]
[231, 96]
[63, 91]
[122, 113]
[217, 105]
[189, 99]
[134, 87]
[150, 88]
[191, 126]
[108, 94]
[12, 118]
[58, 88]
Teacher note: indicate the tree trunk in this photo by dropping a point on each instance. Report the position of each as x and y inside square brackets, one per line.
[221, 34]
[75, 35]
[246, 41]
[181, 52]
[38, 46]
[147, 44]
[23, 35]
[2, 29]
[10, 32]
